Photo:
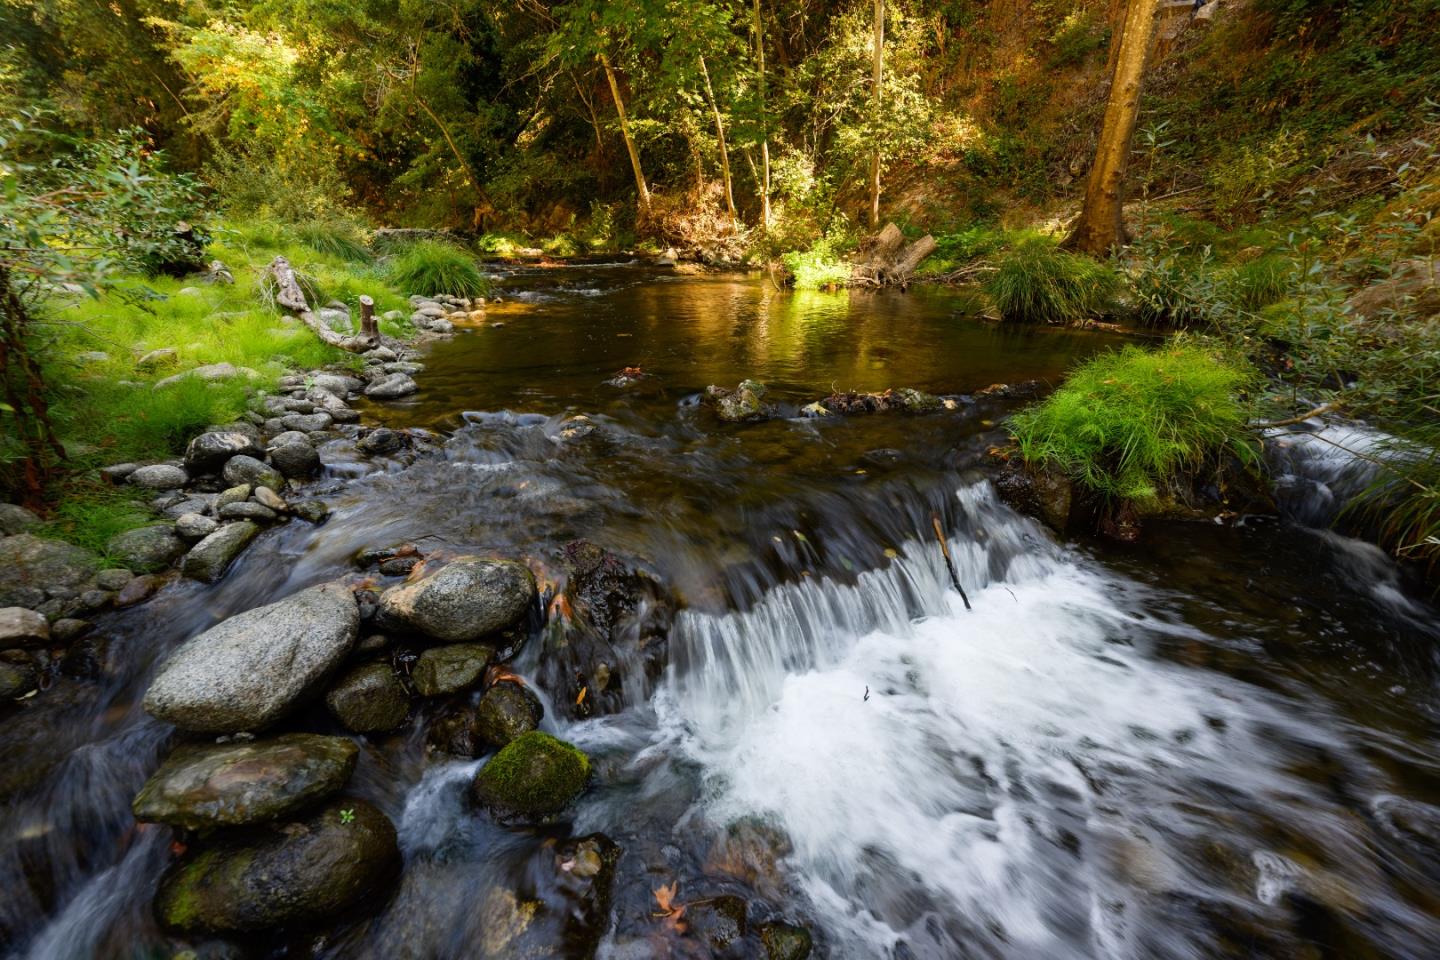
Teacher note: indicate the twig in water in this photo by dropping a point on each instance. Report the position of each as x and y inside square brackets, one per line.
[1324, 408]
[949, 564]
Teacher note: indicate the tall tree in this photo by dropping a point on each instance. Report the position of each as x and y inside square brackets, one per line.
[720, 138]
[878, 76]
[759, 30]
[642, 190]
[1101, 226]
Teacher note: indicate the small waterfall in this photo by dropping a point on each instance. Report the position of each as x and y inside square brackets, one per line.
[1320, 466]
[956, 783]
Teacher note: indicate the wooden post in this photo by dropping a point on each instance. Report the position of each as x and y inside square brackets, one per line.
[369, 326]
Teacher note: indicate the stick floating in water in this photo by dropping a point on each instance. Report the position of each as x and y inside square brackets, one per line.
[949, 564]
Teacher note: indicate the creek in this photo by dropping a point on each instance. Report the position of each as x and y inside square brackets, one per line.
[1217, 742]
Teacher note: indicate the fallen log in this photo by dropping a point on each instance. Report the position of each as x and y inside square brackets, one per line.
[289, 295]
[889, 260]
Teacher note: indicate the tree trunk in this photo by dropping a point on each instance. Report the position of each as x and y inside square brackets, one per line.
[1101, 227]
[642, 191]
[290, 296]
[724, 152]
[28, 406]
[879, 71]
[764, 122]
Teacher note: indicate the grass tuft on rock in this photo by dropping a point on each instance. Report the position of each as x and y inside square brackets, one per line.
[431, 268]
[1130, 423]
[1037, 282]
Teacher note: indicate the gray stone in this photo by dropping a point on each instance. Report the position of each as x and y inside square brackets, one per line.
[295, 460]
[236, 494]
[138, 589]
[243, 469]
[194, 503]
[337, 858]
[369, 699]
[506, 711]
[252, 669]
[159, 476]
[445, 326]
[289, 436]
[269, 498]
[335, 385]
[313, 511]
[465, 600]
[202, 787]
[117, 472]
[91, 600]
[193, 526]
[392, 387]
[383, 354]
[307, 422]
[380, 441]
[208, 452]
[147, 549]
[210, 373]
[113, 579]
[157, 358]
[248, 511]
[15, 519]
[441, 671]
[208, 559]
[20, 627]
[404, 366]
[67, 629]
[29, 564]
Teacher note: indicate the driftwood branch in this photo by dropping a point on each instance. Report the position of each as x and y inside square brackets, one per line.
[290, 296]
[1319, 411]
[949, 563]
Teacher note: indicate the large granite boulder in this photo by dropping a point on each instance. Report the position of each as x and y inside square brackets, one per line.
[282, 875]
[250, 670]
[232, 784]
[31, 564]
[465, 600]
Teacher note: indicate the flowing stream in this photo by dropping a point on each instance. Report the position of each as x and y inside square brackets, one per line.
[1219, 742]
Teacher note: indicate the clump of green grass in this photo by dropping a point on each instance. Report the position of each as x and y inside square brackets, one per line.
[429, 268]
[1260, 282]
[91, 517]
[340, 239]
[1128, 424]
[1037, 282]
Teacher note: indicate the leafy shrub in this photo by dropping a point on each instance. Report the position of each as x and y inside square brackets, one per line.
[1036, 281]
[816, 269]
[973, 242]
[1080, 34]
[1128, 424]
[1260, 282]
[429, 268]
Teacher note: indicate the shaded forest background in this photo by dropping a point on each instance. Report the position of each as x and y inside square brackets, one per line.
[499, 117]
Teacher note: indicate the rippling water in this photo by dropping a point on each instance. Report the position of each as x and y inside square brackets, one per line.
[1219, 742]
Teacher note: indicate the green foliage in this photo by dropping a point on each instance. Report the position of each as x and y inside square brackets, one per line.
[1131, 423]
[975, 241]
[1080, 34]
[1037, 282]
[91, 516]
[341, 239]
[430, 267]
[821, 267]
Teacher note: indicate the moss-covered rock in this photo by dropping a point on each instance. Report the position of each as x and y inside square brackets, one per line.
[785, 941]
[532, 780]
[506, 711]
[290, 875]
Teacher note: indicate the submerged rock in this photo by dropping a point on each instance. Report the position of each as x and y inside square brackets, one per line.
[246, 672]
[440, 671]
[394, 386]
[719, 921]
[506, 711]
[296, 875]
[208, 559]
[147, 549]
[241, 783]
[369, 699]
[785, 941]
[465, 600]
[533, 780]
